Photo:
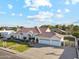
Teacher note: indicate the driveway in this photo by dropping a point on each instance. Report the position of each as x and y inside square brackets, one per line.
[69, 53]
[7, 55]
[43, 52]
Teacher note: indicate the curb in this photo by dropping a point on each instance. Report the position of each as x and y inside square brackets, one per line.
[13, 52]
[9, 50]
[77, 53]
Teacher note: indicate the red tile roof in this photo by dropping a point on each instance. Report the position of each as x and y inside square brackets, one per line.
[34, 30]
[47, 34]
[38, 30]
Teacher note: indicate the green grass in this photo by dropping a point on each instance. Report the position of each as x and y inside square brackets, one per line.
[10, 44]
[7, 43]
[1, 43]
[20, 47]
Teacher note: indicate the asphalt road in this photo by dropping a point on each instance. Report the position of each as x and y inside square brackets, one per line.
[69, 53]
[7, 55]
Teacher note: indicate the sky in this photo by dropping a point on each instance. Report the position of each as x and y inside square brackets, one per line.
[31, 13]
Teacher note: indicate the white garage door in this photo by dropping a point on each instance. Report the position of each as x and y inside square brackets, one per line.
[50, 42]
[55, 43]
[44, 42]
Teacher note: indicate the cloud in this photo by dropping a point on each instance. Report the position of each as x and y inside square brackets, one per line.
[33, 8]
[45, 16]
[59, 15]
[67, 2]
[10, 6]
[75, 1]
[67, 10]
[42, 16]
[13, 14]
[34, 4]
[59, 10]
[20, 14]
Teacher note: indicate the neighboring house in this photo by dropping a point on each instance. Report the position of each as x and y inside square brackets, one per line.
[42, 35]
[60, 31]
[6, 33]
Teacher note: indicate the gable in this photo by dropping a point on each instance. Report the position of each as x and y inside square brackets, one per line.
[45, 29]
[48, 30]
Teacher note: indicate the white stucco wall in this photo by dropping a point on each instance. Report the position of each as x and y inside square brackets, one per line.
[6, 33]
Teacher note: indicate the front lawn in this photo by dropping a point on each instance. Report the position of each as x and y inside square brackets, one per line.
[20, 47]
[1, 43]
[6, 43]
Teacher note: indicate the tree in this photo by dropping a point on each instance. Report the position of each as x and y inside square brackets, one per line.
[1, 28]
[63, 27]
[76, 28]
[47, 26]
[76, 34]
[14, 28]
[69, 29]
[58, 26]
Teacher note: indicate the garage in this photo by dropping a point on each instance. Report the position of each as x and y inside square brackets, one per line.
[55, 42]
[44, 41]
[50, 38]
[50, 42]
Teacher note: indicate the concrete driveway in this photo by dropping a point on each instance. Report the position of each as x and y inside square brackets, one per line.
[43, 52]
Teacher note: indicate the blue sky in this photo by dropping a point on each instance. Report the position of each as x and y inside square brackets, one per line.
[38, 12]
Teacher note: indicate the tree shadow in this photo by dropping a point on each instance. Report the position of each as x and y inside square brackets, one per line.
[52, 53]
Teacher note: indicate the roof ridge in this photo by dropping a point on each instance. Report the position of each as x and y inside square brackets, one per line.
[38, 30]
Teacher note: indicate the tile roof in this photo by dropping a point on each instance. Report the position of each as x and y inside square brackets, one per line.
[34, 30]
[42, 30]
[47, 34]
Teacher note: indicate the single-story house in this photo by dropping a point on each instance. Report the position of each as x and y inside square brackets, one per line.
[42, 35]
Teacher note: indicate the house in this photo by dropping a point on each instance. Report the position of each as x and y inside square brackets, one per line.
[60, 31]
[37, 35]
[40, 35]
[6, 33]
[26, 32]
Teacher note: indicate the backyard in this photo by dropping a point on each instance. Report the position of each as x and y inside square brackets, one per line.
[15, 45]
